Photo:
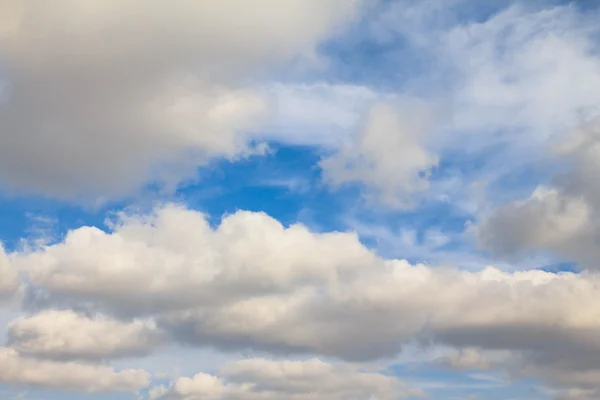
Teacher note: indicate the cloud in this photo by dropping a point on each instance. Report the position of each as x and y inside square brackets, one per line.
[105, 96]
[67, 335]
[522, 67]
[9, 280]
[467, 358]
[508, 82]
[563, 218]
[389, 153]
[251, 283]
[578, 394]
[18, 370]
[512, 75]
[545, 220]
[297, 380]
[526, 68]
[322, 113]
[173, 259]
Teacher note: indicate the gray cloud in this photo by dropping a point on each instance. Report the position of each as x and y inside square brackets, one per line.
[104, 97]
[563, 218]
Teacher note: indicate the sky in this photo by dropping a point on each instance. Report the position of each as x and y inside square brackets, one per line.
[300, 199]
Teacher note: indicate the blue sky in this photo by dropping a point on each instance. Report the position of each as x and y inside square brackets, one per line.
[212, 200]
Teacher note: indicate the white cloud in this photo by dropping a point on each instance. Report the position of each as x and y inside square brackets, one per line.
[389, 153]
[8, 276]
[18, 370]
[105, 95]
[250, 283]
[512, 80]
[297, 380]
[67, 335]
[321, 113]
[173, 259]
[526, 69]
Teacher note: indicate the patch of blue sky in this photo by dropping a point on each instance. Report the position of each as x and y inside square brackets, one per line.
[33, 217]
[443, 384]
[285, 184]
[288, 185]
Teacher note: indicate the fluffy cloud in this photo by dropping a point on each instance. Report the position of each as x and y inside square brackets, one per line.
[103, 96]
[546, 220]
[563, 219]
[298, 380]
[252, 283]
[8, 276]
[67, 335]
[389, 153]
[173, 259]
[15, 369]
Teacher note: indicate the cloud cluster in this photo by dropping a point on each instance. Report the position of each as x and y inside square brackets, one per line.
[99, 98]
[251, 283]
[255, 379]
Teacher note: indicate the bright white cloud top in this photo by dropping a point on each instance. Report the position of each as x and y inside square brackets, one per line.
[300, 199]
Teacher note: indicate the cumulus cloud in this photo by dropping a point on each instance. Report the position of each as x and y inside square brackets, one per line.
[18, 370]
[67, 335]
[251, 283]
[389, 153]
[564, 218]
[545, 220]
[8, 276]
[103, 96]
[297, 380]
[173, 259]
